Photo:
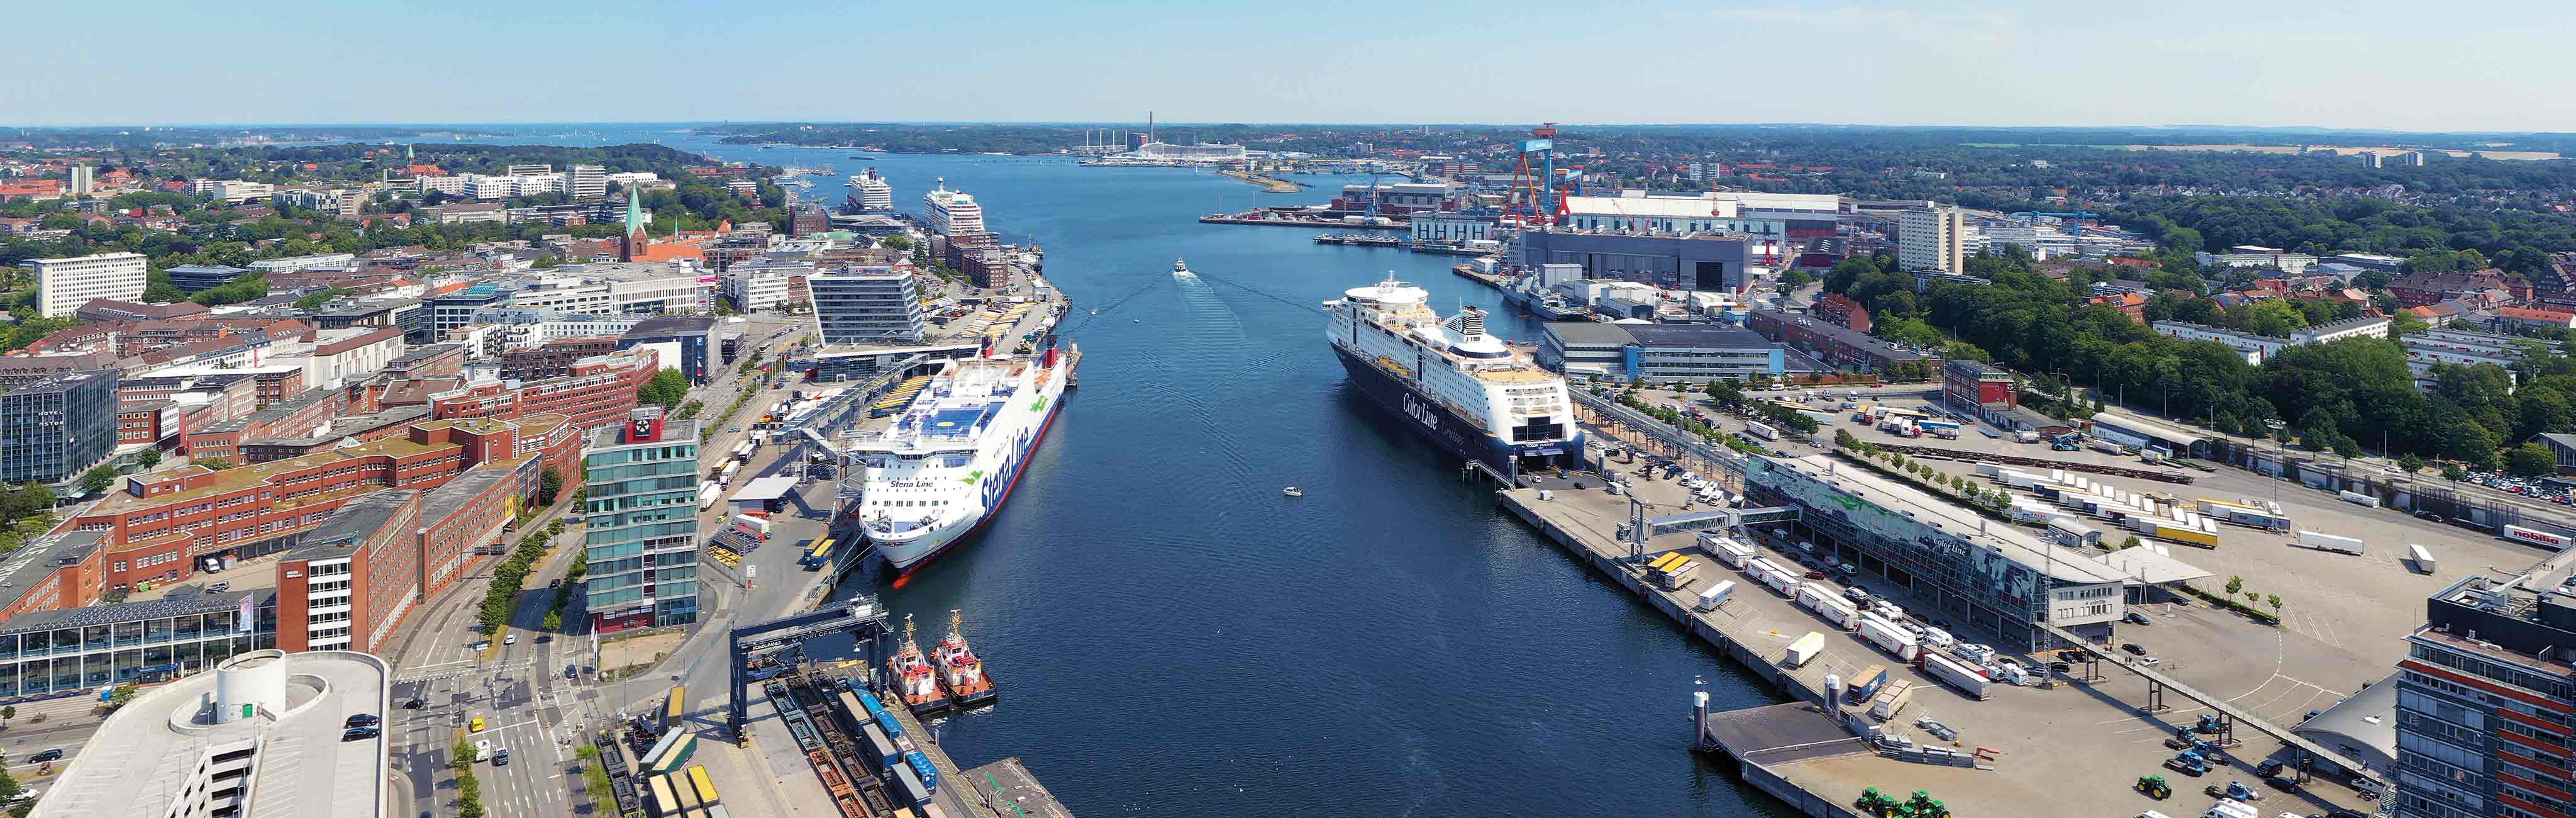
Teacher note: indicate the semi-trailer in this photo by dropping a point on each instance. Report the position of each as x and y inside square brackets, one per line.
[2423, 557]
[1889, 637]
[1715, 595]
[1891, 700]
[1867, 684]
[2329, 542]
[1956, 674]
[1725, 549]
[1804, 650]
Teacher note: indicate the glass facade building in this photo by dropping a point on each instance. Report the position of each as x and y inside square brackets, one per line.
[641, 536]
[55, 429]
[100, 645]
[872, 306]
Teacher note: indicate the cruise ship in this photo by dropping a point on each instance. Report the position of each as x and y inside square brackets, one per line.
[869, 193]
[1451, 382]
[953, 212]
[951, 456]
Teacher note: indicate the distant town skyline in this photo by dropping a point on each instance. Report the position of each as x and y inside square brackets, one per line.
[2375, 65]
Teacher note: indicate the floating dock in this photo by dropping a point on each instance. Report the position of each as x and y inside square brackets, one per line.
[1267, 219]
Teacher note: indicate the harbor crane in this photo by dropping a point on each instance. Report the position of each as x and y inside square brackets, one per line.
[1533, 198]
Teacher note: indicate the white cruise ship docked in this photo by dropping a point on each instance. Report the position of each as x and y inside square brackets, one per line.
[953, 212]
[869, 193]
[1451, 381]
[949, 460]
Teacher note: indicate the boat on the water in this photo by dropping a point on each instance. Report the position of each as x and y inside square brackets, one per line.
[961, 673]
[915, 681]
[1451, 382]
[1181, 269]
[946, 464]
[1293, 491]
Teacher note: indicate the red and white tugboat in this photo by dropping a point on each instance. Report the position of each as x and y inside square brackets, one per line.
[960, 673]
[914, 680]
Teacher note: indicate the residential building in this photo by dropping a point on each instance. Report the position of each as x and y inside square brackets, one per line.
[236, 191]
[2483, 288]
[2484, 696]
[53, 430]
[2247, 255]
[1833, 345]
[2255, 348]
[1691, 262]
[82, 182]
[762, 283]
[868, 306]
[2440, 313]
[2130, 304]
[2535, 318]
[1662, 353]
[641, 533]
[64, 284]
[2362, 327]
[1932, 238]
[586, 182]
[1843, 312]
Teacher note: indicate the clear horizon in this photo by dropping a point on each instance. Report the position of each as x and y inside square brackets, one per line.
[2002, 63]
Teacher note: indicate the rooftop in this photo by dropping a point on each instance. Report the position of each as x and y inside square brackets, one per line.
[161, 608]
[661, 325]
[26, 568]
[141, 756]
[2020, 546]
[351, 525]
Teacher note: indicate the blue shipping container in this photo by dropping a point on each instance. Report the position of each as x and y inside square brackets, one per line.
[869, 701]
[893, 728]
[910, 786]
[920, 765]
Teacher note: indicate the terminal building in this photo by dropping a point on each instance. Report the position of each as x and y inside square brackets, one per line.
[1989, 577]
[1664, 353]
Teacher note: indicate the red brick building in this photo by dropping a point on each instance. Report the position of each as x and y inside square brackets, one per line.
[163, 523]
[1969, 384]
[597, 391]
[2419, 289]
[355, 577]
[1843, 312]
[1831, 343]
[2132, 305]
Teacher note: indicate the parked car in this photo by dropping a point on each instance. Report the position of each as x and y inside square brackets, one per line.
[2133, 648]
[2149, 661]
[1856, 593]
[45, 755]
[363, 720]
[511, 639]
[2136, 618]
[357, 733]
[1815, 575]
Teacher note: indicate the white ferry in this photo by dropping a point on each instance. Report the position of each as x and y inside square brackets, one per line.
[1453, 383]
[946, 464]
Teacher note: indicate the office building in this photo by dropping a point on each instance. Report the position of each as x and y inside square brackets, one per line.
[870, 306]
[586, 182]
[2484, 696]
[54, 429]
[194, 277]
[1834, 345]
[1997, 581]
[1662, 353]
[762, 283]
[64, 284]
[457, 309]
[682, 342]
[1932, 238]
[354, 579]
[236, 191]
[289, 264]
[1692, 262]
[641, 533]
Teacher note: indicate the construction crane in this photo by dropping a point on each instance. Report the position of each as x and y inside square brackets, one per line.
[1533, 200]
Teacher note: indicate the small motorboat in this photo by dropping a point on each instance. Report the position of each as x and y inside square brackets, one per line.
[1136, 320]
[1293, 491]
[1182, 269]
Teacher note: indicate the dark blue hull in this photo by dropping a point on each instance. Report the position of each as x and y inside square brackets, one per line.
[1454, 434]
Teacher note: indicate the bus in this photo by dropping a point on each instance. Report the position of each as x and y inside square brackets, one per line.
[821, 555]
[706, 789]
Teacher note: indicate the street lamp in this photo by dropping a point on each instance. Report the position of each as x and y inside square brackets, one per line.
[2280, 461]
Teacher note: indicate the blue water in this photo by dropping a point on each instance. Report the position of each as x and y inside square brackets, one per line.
[1175, 638]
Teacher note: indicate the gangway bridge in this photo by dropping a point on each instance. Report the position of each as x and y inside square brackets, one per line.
[2229, 715]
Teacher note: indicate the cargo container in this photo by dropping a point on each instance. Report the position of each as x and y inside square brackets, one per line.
[1805, 648]
[2329, 542]
[706, 788]
[1891, 700]
[2535, 536]
[2423, 557]
[1667, 561]
[1677, 576]
[1959, 675]
[1761, 565]
[1761, 431]
[1728, 551]
[909, 786]
[880, 750]
[666, 801]
[707, 496]
[1889, 637]
[1714, 596]
[1868, 683]
[2357, 498]
[920, 766]
[1781, 581]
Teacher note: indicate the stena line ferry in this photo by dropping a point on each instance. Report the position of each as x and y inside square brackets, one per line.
[943, 467]
[1451, 382]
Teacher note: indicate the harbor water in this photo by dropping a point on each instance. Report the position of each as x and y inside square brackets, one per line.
[1174, 637]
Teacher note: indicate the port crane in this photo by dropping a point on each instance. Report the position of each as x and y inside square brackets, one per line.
[1533, 200]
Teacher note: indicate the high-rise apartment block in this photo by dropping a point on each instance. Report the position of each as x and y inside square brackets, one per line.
[63, 284]
[586, 182]
[867, 306]
[641, 537]
[82, 182]
[1932, 238]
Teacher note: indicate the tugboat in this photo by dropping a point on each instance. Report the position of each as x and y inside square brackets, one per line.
[914, 681]
[959, 671]
[1181, 269]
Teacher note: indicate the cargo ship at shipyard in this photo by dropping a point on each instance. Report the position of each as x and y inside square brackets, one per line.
[947, 462]
[1451, 382]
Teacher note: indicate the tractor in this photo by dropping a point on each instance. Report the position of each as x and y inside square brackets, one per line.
[2154, 786]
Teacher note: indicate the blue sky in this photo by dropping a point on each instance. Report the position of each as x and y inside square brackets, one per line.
[2408, 66]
